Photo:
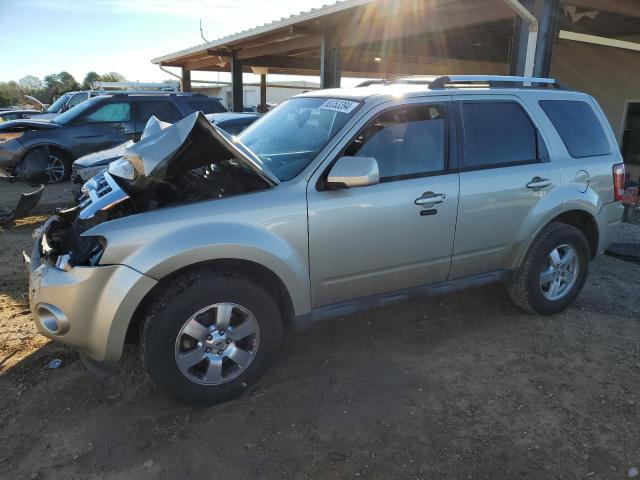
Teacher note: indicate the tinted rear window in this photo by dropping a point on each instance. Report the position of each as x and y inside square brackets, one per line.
[162, 109]
[497, 133]
[578, 127]
[207, 106]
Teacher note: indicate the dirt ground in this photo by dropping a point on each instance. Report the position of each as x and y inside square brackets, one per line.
[459, 387]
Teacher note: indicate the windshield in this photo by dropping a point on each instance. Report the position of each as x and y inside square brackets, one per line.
[56, 106]
[73, 113]
[289, 137]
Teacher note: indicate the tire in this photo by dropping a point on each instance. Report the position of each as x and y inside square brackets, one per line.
[45, 164]
[529, 288]
[170, 321]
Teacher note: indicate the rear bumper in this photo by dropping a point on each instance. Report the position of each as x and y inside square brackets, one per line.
[87, 308]
[609, 219]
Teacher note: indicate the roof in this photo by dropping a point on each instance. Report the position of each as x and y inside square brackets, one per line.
[312, 14]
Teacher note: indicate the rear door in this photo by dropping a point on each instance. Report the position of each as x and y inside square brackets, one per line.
[387, 237]
[508, 183]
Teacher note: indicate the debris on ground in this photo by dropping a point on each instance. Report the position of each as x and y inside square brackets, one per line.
[55, 363]
[26, 203]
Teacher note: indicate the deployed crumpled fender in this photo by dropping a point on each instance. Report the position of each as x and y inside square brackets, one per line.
[191, 143]
[26, 203]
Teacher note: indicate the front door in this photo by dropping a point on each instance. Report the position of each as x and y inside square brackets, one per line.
[508, 184]
[396, 234]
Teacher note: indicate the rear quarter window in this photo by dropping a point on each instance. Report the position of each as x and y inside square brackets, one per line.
[206, 106]
[578, 126]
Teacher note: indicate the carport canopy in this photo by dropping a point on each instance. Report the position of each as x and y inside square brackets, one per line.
[382, 39]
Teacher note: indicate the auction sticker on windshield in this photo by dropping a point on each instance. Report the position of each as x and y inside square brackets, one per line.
[342, 106]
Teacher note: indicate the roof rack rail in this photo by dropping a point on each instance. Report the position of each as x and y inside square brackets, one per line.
[137, 86]
[380, 81]
[440, 83]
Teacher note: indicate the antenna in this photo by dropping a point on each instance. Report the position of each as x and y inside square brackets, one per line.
[202, 33]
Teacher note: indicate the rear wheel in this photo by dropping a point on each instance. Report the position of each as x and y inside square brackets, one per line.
[208, 337]
[553, 271]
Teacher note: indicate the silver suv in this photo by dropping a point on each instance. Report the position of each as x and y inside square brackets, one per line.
[203, 248]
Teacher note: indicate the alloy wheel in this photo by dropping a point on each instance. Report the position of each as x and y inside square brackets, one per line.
[560, 272]
[55, 168]
[217, 343]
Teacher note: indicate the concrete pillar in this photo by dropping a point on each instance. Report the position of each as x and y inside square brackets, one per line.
[236, 84]
[186, 80]
[330, 72]
[263, 93]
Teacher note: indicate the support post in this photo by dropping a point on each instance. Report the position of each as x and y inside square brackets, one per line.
[548, 14]
[330, 72]
[186, 80]
[236, 84]
[520, 40]
[263, 93]
[536, 32]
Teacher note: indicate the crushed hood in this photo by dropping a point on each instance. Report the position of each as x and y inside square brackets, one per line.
[26, 125]
[165, 150]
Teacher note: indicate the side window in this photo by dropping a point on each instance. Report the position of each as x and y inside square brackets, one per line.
[111, 112]
[76, 99]
[497, 134]
[161, 109]
[405, 141]
[578, 127]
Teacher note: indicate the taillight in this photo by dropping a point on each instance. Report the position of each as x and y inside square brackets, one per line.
[618, 181]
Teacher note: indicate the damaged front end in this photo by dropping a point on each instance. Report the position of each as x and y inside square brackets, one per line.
[189, 161]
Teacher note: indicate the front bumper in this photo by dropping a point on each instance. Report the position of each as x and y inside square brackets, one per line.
[609, 219]
[10, 154]
[87, 308]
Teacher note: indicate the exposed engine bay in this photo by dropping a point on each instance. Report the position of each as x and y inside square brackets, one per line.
[186, 162]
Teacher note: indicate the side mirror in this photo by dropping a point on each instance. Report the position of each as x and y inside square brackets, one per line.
[354, 172]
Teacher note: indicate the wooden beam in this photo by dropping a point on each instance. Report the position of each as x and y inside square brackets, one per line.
[236, 83]
[603, 41]
[263, 93]
[329, 60]
[278, 47]
[186, 80]
[202, 63]
[305, 63]
[622, 7]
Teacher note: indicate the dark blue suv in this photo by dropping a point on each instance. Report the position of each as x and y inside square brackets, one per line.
[43, 151]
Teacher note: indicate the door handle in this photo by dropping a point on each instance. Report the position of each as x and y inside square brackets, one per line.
[538, 182]
[430, 198]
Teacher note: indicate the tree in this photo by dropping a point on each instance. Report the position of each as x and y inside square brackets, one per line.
[112, 77]
[68, 82]
[30, 83]
[5, 101]
[89, 79]
[11, 93]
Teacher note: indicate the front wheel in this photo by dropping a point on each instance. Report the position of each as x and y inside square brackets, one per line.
[208, 337]
[553, 271]
[45, 165]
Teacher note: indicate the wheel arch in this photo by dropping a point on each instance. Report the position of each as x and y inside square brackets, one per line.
[264, 276]
[580, 219]
[57, 146]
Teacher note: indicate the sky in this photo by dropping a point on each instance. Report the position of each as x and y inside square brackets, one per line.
[41, 37]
